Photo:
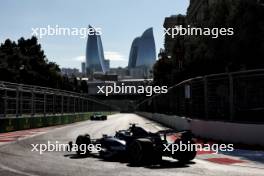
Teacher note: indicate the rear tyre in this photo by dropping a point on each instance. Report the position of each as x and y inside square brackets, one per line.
[83, 141]
[187, 155]
[141, 152]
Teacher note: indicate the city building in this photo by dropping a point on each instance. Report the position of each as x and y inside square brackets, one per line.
[174, 46]
[104, 77]
[143, 50]
[70, 72]
[197, 11]
[142, 55]
[83, 68]
[95, 61]
[140, 72]
[120, 72]
[169, 42]
[93, 85]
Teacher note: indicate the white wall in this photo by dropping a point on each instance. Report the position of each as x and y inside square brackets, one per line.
[252, 134]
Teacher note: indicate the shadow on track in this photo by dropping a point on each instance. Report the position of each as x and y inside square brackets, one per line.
[75, 156]
[164, 164]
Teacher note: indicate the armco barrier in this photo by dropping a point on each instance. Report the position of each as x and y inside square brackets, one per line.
[22, 123]
[173, 121]
[238, 133]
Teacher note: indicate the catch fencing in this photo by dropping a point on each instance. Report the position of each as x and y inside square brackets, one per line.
[17, 100]
[234, 97]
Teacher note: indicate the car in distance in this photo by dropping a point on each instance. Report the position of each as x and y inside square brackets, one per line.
[98, 116]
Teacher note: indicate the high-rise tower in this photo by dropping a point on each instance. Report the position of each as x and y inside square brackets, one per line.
[143, 51]
[95, 61]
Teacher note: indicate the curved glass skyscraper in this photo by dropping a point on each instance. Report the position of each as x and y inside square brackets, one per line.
[143, 50]
[95, 61]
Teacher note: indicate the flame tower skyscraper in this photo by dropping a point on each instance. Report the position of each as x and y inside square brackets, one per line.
[95, 61]
[143, 50]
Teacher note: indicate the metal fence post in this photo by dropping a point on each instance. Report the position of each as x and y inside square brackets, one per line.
[32, 103]
[82, 105]
[205, 97]
[191, 100]
[79, 104]
[21, 103]
[45, 103]
[87, 106]
[17, 101]
[74, 99]
[53, 104]
[68, 104]
[231, 96]
[5, 104]
[62, 104]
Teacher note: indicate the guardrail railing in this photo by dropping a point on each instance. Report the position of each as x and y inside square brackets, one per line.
[26, 100]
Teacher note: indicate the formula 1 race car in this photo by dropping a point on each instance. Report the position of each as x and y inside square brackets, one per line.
[140, 147]
[98, 116]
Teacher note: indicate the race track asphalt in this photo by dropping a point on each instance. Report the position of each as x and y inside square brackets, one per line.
[16, 158]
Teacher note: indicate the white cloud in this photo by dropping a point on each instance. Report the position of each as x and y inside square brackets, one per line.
[114, 56]
[110, 55]
[79, 58]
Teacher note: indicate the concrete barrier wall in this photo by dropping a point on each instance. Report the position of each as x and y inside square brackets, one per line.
[251, 134]
[229, 132]
[179, 123]
[22, 123]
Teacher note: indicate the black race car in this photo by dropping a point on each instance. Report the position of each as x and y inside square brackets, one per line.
[140, 147]
[98, 116]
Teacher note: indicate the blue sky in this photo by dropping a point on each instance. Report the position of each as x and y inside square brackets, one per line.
[121, 21]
